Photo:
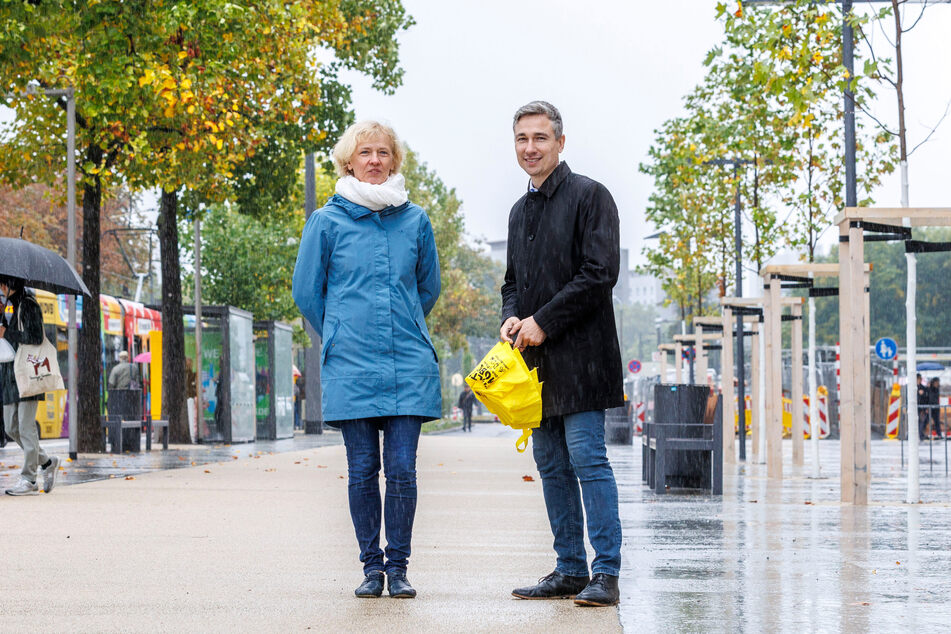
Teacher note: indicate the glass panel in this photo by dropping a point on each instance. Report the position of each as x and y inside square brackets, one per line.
[211, 385]
[262, 382]
[283, 383]
[241, 345]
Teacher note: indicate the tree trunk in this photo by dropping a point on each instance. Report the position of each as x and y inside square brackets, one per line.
[89, 386]
[173, 327]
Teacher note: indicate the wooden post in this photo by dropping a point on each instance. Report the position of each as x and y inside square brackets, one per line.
[663, 365]
[727, 373]
[679, 361]
[796, 387]
[701, 363]
[846, 398]
[773, 314]
[755, 392]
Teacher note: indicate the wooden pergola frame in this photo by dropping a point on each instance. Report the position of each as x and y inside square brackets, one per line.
[855, 421]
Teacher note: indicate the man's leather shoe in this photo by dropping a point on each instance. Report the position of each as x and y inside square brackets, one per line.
[399, 586]
[601, 592]
[372, 585]
[553, 586]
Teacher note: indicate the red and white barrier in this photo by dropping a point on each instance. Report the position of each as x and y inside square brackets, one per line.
[894, 412]
[823, 411]
[640, 411]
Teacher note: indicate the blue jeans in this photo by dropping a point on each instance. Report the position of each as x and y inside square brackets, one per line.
[570, 449]
[400, 439]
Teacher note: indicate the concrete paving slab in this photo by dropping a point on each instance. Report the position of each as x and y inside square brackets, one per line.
[265, 543]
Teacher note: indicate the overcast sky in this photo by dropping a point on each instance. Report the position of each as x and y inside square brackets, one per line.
[616, 69]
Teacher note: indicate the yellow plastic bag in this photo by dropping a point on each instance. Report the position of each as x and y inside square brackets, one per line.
[505, 385]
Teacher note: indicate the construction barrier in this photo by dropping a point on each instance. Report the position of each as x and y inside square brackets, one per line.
[749, 414]
[894, 412]
[640, 410]
[823, 413]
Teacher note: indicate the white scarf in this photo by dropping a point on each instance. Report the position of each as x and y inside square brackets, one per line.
[373, 197]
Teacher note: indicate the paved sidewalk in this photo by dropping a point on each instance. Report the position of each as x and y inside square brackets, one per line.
[264, 543]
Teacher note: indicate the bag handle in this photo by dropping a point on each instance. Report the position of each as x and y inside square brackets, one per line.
[522, 443]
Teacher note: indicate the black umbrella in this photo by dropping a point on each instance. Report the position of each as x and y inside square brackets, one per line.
[39, 267]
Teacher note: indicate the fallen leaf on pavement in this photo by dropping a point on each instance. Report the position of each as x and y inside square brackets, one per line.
[130, 477]
[528, 478]
[321, 466]
[207, 471]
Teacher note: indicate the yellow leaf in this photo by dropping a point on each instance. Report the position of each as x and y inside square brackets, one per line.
[169, 112]
[182, 55]
[219, 143]
[186, 83]
[190, 109]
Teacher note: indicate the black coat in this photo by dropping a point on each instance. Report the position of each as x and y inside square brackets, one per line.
[562, 265]
[31, 334]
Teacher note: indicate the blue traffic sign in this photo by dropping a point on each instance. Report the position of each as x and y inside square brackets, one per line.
[886, 349]
[634, 366]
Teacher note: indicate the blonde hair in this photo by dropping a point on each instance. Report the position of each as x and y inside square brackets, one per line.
[356, 134]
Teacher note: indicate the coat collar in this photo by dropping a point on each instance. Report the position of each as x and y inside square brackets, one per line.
[554, 179]
[356, 211]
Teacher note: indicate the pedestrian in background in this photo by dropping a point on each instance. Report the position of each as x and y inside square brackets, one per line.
[19, 414]
[124, 374]
[562, 263]
[367, 274]
[934, 399]
[466, 403]
[924, 397]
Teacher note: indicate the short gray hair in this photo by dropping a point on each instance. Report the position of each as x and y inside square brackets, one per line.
[541, 107]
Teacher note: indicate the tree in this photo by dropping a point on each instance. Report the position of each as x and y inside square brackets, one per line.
[175, 95]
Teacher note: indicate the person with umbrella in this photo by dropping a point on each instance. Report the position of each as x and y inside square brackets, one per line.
[19, 413]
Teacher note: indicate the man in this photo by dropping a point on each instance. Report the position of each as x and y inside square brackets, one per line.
[562, 264]
[122, 375]
[465, 403]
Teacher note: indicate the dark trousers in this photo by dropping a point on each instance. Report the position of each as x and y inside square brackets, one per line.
[400, 440]
[467, 420]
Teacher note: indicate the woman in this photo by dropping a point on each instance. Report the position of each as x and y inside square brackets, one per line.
[367, 274]
[25, 326]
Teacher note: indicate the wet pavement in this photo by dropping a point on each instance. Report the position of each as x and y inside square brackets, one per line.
[766, 556]
[92, 467]
[786, 556]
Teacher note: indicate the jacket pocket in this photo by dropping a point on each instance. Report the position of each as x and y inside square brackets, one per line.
[329, 341]
[423, 332]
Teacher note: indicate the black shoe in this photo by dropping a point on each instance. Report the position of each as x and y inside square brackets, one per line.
[601, 592]
[399, 586]
[553, 586]
[372, 585]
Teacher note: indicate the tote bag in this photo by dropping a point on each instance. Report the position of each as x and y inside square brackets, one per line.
[36, 368]
[505, 385]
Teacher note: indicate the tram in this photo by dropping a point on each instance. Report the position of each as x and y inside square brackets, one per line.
[125, 325]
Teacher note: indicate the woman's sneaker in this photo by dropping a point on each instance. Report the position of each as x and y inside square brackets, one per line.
[50, 474]
[23, 487]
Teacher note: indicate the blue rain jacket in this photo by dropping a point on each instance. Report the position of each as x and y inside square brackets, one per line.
[366, 281]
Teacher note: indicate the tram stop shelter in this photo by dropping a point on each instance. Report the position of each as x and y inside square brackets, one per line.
[227, 373]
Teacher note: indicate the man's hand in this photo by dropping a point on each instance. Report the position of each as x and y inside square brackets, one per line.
[529, 334]
[3, 331]
[506, 331]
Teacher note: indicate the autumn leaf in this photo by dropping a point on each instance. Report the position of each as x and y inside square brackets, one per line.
[528, 478]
